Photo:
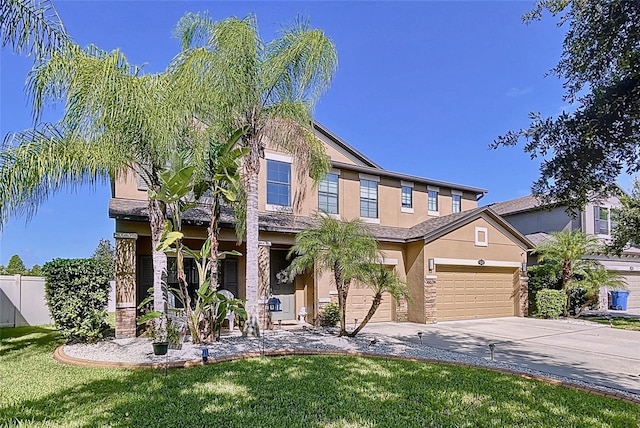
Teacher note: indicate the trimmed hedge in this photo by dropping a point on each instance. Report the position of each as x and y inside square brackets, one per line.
[77, 293]
[550, 303]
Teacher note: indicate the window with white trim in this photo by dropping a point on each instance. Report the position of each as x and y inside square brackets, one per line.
[328, 194]
[606, 219]
[433, 200]
[407, 197]
[278, 183]
[368, 198]
[482, 237]
[456, 203]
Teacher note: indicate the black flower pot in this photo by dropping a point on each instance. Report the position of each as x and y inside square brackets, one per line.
[160, 348]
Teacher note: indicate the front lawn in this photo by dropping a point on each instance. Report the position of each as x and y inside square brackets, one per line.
[283, 392]
[623, 323]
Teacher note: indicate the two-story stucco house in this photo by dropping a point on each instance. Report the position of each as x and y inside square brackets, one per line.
[460, 261]
[536, 221]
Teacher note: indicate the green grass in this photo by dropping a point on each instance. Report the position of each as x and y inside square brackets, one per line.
[623, 323]
[283, 392]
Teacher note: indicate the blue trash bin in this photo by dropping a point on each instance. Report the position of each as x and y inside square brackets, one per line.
[619, 299]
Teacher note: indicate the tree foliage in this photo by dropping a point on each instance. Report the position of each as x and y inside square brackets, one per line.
[267, 89]
[106, 253]
[627, 230]
[31, 27]
[345, 248]
[584, 151]
[566, 256]
[16, 266]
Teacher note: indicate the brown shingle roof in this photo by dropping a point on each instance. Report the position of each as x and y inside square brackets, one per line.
[513, 206]
[284, 222]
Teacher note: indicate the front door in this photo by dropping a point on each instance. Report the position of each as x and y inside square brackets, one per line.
[281, 288]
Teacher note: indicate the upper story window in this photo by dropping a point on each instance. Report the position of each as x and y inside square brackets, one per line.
[328, 193]
[456, 200]
[605, 220]
[433, 199]
[406, 198]
[278, 183]
[368, 198]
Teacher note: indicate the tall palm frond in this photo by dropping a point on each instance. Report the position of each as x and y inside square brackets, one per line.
[268, 89]
[32, 26]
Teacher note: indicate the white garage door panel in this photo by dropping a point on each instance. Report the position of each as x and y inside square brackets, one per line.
[633, 286]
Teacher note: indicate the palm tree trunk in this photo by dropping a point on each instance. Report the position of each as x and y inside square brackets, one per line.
[343, 291]
[156, 222]
[377, 299]
[213, 233]
[566, 276]
[252, 169]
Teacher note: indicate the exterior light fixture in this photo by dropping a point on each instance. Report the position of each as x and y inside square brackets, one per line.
[274, 304]
[481, 262]
[432, 264]
[492, 347]
[524, 267]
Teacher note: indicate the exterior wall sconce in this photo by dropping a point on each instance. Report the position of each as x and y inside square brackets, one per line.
[432, 264]
[524, 267]
[481, 262]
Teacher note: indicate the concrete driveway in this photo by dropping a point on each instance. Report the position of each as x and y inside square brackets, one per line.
[576, 349]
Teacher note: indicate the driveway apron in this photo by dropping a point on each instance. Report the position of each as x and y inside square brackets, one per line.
[576, 349]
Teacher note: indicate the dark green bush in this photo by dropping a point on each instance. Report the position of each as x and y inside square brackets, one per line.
[541, 277]
[330, 315]
[77, 293]
[550, 303]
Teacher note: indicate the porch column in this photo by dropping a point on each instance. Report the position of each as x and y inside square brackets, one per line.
[523, 303]
[264, 279]
[125, 284]
[430, 307]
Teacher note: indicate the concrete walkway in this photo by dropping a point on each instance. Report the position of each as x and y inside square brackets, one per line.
[580, 350]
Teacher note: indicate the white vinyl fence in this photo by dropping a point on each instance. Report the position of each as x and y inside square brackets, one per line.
[22, 301]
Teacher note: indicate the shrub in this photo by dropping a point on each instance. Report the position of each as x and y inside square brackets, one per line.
[77, 293]
[550, 303]
[330, 315]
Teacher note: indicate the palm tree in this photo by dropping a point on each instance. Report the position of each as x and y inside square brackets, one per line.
[32, 26]
[380, 280]
[115, 120]
[565, 251]
[589, 283]
[344, 247]
[268, 89]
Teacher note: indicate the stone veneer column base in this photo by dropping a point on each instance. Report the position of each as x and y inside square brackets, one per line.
[402, 311]
[430, 306]
[523, 307]
[125, 322]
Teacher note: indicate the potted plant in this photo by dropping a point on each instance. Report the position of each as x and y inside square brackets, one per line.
[176, 332]
[157, 329]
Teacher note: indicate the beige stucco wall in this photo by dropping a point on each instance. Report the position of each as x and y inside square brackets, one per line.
[126, 186]
[415, 268]
[460, 244]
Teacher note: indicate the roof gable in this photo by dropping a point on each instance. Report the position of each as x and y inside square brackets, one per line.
[342, 147]
[434, 228]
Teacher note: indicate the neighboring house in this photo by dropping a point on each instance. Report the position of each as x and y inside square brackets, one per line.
[460, 261]
[535, 221]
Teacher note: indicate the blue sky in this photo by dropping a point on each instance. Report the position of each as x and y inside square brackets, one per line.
[422, 88]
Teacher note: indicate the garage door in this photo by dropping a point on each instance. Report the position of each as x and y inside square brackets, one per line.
[633, 286]
[468, 292]
[359, 302]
